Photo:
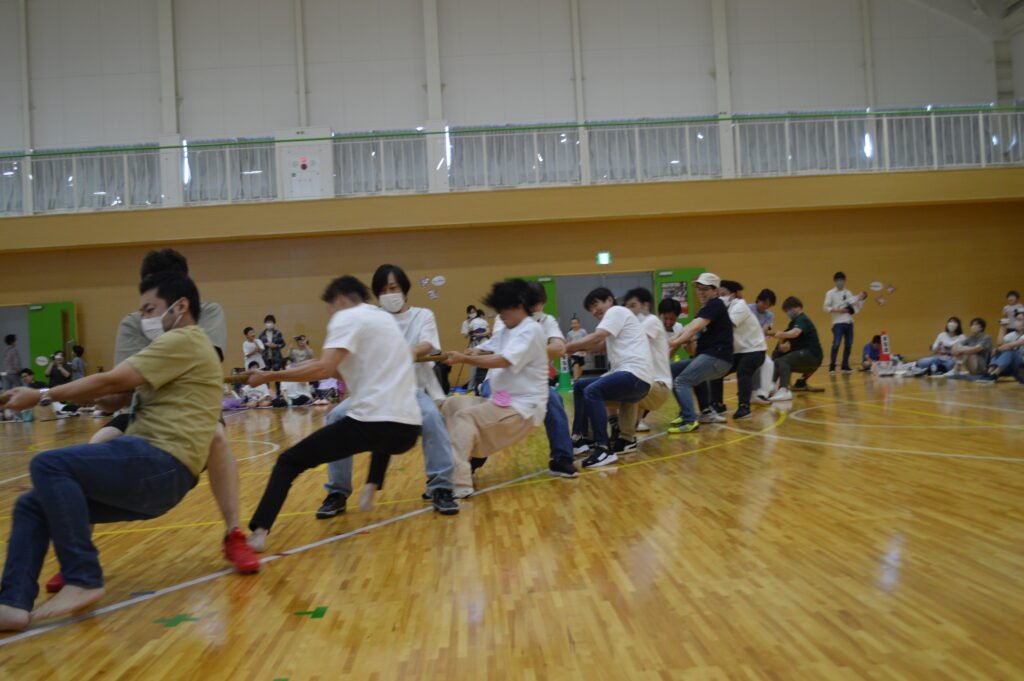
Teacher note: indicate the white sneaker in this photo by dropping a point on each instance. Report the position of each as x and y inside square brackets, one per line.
[462, 492]
[782, 395]
[759, 399]
[642, 427]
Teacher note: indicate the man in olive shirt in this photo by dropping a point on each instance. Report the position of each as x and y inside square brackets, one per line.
[132, 337]
[142, 475]
[799, 348]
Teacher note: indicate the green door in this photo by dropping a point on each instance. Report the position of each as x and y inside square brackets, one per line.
[51, 327]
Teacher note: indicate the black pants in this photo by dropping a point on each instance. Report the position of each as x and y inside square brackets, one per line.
[332, 442]
[745, 364]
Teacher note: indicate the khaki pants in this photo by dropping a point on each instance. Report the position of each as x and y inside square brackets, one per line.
[478, 428]
[628, 411]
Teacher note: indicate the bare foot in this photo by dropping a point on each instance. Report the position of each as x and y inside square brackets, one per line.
[366, 496]
[71, 599]
[258, 540]
[13, 619]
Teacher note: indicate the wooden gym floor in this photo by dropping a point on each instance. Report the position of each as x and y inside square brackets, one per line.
[875, 531]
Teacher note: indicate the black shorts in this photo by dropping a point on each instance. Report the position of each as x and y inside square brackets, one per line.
[121, 422]
[577, 360]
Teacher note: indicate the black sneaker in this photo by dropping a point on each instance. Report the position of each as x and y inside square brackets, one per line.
[621, 445]
[720, 408]
[580, 444]
[332, 506]
[801, 383]
[562, 468]
[476, 463]
[599, 456]
[742, 413]
[444, 502]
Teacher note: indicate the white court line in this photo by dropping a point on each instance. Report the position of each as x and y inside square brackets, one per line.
[796, 416]
[227, 571]
[886, 450]
[960, 404]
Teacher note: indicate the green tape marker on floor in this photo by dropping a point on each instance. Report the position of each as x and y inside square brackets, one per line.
[314, 614]
[176, 620]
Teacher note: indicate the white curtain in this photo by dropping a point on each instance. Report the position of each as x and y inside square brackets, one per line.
[53, 183]
[514, 158]
[229, 171]
[368, 165]
[10, 186]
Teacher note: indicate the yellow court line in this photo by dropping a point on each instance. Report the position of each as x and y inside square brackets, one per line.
[207, 523]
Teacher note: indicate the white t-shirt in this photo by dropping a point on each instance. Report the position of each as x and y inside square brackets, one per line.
[580, 334]
[293, 390]
[944, 343]
[747, 334]
[253, 351]
[657, 337]
[418, 325]
[839, 298]
[526, 380]
[677, 329]
[627, 346]
[477, 324]
[378, 368]
[257, 393]
[547, 322]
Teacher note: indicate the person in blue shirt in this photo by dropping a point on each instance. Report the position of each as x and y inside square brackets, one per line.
[872, 351]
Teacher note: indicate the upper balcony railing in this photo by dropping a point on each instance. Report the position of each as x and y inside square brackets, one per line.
[238, 171]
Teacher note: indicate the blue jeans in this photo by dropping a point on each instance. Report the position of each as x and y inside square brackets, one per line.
[590, 394]
[437, 450]
[943, 364]
[703, 390]
[1009, 363]
[841, 332]
[73, 487]
[695, 375]
[556, 422]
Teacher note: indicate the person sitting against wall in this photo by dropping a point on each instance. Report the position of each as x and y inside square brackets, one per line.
[1012, 308]
[872, 351]
[941, 360]
[259, 396]
[972, 354]
[295, 393]
[1010, 353]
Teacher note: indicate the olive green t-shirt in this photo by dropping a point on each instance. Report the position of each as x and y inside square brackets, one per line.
[177, 408]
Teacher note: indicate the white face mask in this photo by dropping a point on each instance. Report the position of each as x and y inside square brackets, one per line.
[153, 327]
[392, 302]
[975, 328]
[269, 325]
[840, 284]
[951, 327]
[538, 315]
[726, 298]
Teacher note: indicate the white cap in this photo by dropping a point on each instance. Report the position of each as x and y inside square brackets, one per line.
[709, 279]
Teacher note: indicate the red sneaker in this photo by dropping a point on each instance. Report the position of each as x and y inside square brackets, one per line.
[55, 584]
[237, 550]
